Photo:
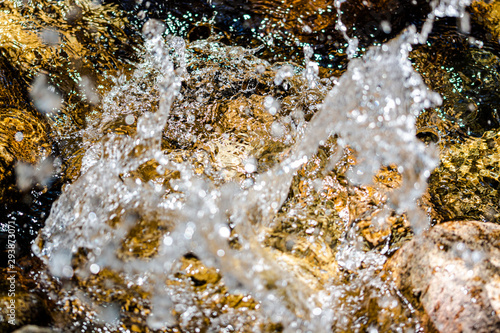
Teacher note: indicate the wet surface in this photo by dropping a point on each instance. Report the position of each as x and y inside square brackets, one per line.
[194, 182]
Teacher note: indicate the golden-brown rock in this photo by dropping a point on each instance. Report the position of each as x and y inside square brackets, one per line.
[53, 53]
[467, 79]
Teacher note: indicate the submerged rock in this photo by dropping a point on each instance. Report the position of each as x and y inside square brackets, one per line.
[467, 77]
[52, 59]
[18, 299]
[284, 27]
[24, 138]
[466, 183]
[24, 133]
[221, 126]
[487, 15]
[35, 329]
[451, 273]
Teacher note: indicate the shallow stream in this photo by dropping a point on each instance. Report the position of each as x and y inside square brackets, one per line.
[247, 169]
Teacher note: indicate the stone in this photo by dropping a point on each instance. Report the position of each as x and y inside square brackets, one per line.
[16, 292]
[487, 15]
[451, 274]
[289, 23]
[23, 139]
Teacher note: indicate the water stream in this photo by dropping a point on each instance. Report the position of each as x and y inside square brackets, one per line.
[223, 214]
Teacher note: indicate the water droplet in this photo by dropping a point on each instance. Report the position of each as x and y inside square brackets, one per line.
[224, 232]
[277, 129]
[386, 27]
[94, 268]
[50, 36]
[44, 95]
[19, 136]
[129, 119]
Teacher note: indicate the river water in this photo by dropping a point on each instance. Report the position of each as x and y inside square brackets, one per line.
[208, 174]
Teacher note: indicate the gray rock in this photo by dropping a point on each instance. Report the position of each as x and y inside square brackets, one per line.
[451, 273]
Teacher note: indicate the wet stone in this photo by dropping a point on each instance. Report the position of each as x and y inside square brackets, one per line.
[487, 15]
[451, 274]
[24, 138]
[466, 76]
[284, 27]
[16, 293]
[465, 184]
[220, 126]
[54, 56]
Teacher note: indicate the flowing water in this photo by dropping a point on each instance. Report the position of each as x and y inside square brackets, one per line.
[236, 194]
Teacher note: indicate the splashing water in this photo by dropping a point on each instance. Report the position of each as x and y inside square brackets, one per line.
[372, 109]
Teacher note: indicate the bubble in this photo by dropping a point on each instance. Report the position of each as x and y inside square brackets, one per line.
[251, 165]
[283, 73]
[464, 23]
[88, 90]
[224, 232]
[110, 313]
[190, 228]
[247, 183]
[307, 29]
[153, 28]
[168, 241]
[50, 36]
[60, 264]
[27, 174]
[67, 272]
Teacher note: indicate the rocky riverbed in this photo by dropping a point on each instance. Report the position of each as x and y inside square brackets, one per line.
[262, 166]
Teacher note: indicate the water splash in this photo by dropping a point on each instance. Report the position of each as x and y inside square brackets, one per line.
[372, 109]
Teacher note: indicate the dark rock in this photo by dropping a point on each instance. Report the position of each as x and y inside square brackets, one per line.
[252, 23]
